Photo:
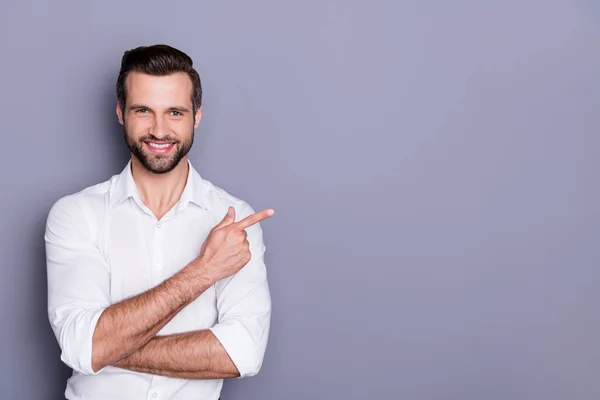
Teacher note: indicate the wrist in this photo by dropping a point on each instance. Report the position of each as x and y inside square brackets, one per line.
[198, 272]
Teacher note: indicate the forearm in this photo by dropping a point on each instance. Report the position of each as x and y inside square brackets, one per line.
[190, 355]
[126, 326]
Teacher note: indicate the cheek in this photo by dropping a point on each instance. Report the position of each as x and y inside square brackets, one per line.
[183, 129]
[136, 128]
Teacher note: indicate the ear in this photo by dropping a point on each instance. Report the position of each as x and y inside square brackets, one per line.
[198, 117]
[119, 113]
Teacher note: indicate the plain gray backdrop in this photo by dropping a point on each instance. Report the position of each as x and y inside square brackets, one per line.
[433, 164]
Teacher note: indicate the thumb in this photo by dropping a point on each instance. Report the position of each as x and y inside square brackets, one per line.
[228, 219]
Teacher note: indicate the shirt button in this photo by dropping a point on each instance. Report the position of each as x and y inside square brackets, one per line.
[158, 266]
[158, 225]
[154, 395]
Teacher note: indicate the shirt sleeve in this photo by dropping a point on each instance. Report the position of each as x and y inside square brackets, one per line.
[78, 282]
[244, 306]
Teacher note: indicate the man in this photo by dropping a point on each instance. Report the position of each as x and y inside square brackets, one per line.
[157, 286]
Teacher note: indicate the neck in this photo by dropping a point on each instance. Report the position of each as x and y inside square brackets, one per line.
[160, 192]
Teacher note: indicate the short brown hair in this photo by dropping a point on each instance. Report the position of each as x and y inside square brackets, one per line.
[158, 60]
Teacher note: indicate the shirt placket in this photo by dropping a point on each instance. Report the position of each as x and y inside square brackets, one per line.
[155, 277]
[158, 256]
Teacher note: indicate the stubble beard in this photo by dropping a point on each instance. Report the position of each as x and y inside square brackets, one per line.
[158, 163]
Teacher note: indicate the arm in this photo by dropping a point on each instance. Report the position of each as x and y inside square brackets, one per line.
[235, 346]
[126, 326]
[190, 355]
[91, 332]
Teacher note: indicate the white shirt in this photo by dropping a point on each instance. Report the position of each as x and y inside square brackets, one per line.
[104, 245]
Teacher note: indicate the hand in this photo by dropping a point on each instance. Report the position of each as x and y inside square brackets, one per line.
[226, 249]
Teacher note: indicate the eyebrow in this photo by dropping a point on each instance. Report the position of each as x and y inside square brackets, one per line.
[175, 108]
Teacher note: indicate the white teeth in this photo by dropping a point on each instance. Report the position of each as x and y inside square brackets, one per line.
[160, 146]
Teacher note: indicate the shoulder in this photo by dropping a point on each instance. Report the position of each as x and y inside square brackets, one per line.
[81, 208]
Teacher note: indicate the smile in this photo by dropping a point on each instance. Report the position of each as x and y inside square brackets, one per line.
[159, 148]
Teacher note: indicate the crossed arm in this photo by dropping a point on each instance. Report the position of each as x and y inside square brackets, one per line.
[94, 334]
[125, 334]
[190, 355]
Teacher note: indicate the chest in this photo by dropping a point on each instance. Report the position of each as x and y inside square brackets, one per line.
[142, 253]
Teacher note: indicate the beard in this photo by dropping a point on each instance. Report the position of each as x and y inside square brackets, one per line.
[158, 163]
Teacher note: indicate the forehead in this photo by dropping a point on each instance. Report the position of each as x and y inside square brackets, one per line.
[150, 89]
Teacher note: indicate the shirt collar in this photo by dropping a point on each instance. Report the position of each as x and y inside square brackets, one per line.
[196, 189]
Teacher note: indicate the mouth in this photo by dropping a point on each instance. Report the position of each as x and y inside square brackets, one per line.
[159, 147]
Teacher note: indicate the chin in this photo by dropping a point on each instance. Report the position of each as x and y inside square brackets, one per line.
[160, 168]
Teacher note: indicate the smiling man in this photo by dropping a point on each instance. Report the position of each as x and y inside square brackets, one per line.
[157, 286]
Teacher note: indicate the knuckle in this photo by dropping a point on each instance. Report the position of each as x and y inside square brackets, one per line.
[235, 238]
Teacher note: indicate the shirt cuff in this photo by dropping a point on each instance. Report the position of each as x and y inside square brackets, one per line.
[239, 346]
[77, 342]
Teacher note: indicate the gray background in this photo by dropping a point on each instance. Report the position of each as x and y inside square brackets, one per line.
[433, 165]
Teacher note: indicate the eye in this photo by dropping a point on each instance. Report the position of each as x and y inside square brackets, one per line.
[176, 113]
[142, 111]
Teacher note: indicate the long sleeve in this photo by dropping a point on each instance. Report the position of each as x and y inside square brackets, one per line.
[244, 306]
[78, 281]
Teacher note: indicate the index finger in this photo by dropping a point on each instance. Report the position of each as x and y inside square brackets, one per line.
[254, 218]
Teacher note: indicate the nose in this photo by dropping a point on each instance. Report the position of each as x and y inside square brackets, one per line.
[159, 127]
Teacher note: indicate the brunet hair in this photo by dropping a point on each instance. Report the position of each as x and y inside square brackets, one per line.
[158, 60]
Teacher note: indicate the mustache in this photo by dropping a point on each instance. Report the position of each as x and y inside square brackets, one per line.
[152, 138]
